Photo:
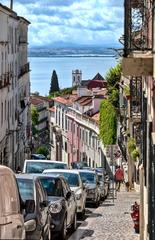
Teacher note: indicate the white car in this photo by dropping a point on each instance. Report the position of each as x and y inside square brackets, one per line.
[38, 166]
[76, 185]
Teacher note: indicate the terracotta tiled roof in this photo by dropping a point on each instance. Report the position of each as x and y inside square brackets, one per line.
[52, 109]
[36, 101]
[96, 117]
[87, 102]
[97, 84]
[45, 99]
[66, 100]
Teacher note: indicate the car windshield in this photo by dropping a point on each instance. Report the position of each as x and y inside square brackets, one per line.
[88, 177]
[53, 187]
[71, 178]
[25, 188]
[39, 167]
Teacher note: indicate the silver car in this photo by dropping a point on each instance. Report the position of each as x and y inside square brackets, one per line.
[91, 184]
[75, 182]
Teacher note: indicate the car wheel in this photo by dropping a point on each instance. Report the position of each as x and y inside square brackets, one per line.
[82, 214]
[74, 224]
[64, 230]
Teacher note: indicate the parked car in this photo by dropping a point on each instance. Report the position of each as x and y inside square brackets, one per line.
[79, 165]
[38, 156]
[89, 179]
[100, 178]
[75, 182]
[11, 218]
[38, 166]
[104, 183]
[62, 204]
[37, 223]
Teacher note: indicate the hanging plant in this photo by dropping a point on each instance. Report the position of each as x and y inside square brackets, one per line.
[135, 154]
[127, 90]
[131, 145]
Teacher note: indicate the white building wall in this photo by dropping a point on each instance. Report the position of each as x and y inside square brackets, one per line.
[10, 132]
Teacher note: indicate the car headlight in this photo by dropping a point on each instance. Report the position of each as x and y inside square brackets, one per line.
[91, 190]
[30, 225]
[78, 196]
[55, 207]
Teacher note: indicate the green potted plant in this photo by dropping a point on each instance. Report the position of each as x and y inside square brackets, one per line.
[131, 145]
[127, 92]
[135, 154]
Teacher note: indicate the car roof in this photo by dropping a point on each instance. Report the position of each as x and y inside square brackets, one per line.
[86, 171]
[44, 160]
[32, 176]
[60, 170]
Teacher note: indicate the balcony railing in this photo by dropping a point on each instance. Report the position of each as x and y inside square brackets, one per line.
[4, 80]
[136, 98]
[137, 32]
[138, 59]
[24, 69]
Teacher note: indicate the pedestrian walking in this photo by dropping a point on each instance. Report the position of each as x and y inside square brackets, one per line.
[119, 177]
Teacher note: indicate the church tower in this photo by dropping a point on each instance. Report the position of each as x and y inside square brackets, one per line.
[76, 77]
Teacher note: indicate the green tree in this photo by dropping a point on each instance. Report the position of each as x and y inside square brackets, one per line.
[42, 150]
[108, 123]
[54, 83]
[113, 77]
[35, 119]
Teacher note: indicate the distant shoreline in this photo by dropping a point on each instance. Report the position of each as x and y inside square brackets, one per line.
[71, 56]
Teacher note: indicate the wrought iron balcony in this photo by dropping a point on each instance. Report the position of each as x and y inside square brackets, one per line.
[138, 38]
[136, 98]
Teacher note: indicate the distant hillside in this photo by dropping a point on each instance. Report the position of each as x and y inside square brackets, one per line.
[71, 52]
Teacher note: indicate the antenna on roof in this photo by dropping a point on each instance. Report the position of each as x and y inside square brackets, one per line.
[11, 4]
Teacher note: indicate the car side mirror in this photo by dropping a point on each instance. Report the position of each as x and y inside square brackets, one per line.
[29, 206]
[68, 195]
[43, 204]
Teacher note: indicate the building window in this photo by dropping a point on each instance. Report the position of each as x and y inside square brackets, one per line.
[86, 137]
[77, 129]
[62, 119]
[1, 114]
[65, 146]
[59, 119]
[66, 123]
[83, 133]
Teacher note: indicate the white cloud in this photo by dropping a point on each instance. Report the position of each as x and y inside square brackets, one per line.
[78, 21]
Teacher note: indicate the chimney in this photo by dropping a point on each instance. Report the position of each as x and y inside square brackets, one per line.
[11, 4]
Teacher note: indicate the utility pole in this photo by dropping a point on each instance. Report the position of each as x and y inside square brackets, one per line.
[11, 4]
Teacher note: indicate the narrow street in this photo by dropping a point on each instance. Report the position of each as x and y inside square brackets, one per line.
[110, 221]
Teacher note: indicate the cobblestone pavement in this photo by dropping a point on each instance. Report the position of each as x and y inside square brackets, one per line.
[111, 221]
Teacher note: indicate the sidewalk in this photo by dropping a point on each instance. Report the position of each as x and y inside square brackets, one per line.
[110, 221]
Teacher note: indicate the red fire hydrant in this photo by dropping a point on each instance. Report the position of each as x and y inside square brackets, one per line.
[135, 216]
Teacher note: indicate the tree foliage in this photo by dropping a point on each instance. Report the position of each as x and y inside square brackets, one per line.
[54, 83]
[108, 123]
[42, 150]
[34, 116]
[63, 92]
[113, 77]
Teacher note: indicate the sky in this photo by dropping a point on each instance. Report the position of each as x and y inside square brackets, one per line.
[81, 22]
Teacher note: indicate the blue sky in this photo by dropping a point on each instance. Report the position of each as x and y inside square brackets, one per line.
[88, 22]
